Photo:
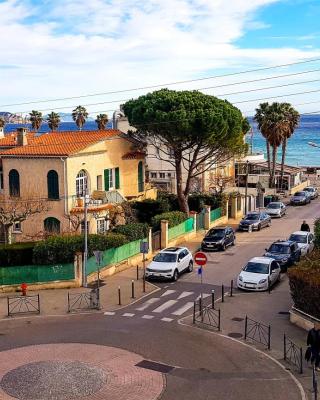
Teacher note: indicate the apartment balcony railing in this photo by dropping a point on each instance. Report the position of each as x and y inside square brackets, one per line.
[98, 200]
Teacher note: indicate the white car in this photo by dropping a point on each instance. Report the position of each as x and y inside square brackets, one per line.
[276, 209]
[257, 274]
[305, 241]
[170, 263]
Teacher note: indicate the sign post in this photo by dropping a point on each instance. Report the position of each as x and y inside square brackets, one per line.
[144, 249]
[201, 260]
[99, 258]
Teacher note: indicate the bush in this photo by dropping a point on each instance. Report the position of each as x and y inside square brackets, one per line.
[134, 231]
[304, 280]
[198, 201]
[168, 200]
[173, 217]
[61, 249]
[16, 254]
[147, 209]
[317, 232]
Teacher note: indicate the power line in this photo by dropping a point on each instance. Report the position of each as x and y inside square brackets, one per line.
[276, 97]
[164, 84]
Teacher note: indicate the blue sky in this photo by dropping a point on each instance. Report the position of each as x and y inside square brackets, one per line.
[64, 48]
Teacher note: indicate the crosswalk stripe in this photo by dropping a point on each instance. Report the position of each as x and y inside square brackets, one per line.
[184, 294]
[128, 315]
[109, 313]
[168, 292]
[204, 295]
[183, 309]
[148, 316]
[164, 306]
[165, 319]
[148, 303]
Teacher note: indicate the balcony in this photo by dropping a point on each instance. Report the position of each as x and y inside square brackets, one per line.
[98, 201]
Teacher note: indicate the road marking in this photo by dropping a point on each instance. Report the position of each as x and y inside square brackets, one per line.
[164, 306]
[183, 309]
[148, 316]
[109, 313]
[148, 303]
[184, 294]
[168, 292]
[165, 319]
[128, 314]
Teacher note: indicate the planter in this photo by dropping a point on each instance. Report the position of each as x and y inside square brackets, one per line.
[302, 320]
[79, 202]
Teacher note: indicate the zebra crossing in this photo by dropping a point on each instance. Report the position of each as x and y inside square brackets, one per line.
[166, 306]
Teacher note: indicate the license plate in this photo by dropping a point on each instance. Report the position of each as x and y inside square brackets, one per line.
[248, 285]
[210, 245]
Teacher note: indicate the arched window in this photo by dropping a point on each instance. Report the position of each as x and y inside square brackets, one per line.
[14, 183]
[81, 183]
[53, 185]
[52, 225]
[140, 177]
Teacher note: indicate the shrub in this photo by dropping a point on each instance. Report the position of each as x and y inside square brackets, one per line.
[317, 232]
[147, 209]
[129, 212]
[304, 280]
[16, 254]
[168, 200]
[198, 201]
[173, 217]
[133, 231]
[61, 249]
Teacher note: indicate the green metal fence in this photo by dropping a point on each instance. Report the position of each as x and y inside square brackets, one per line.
[215, 214]
[115, 255]
[36, 274]
[180, 229]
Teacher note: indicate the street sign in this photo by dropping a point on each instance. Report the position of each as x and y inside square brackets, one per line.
[200, 258]
[199, 271]
[144, 247]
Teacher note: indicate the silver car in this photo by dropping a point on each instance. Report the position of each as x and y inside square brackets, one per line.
[312, 191]
[276, 209]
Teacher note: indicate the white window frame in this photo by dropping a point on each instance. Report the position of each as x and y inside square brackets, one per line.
[99, 182]
[16, 227]
[162, 175]
[112, 178]
[153, 175]
[102, 226]
[81, 183]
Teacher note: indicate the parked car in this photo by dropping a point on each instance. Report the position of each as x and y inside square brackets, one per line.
[276, 209]
[285, 252]
[170, 263]
[305, 241]
[300, 198]
[313, 192]
[218, 239]
[258, 274]
[254, 221]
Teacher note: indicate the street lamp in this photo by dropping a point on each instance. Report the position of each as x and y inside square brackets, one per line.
[246, 188]
[85, 255]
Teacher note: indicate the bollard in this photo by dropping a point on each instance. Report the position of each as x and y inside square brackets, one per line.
[132, 289]
[231, 288]
[222, 294]
[24, 287]
[212, 298]
[119, 295]
[137, 272]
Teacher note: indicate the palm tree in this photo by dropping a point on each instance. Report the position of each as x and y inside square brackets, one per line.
[53, 120]
[260, 117]
[2, 122]
[292, 119]
[36, 119]
[102, 120]
[79, 115]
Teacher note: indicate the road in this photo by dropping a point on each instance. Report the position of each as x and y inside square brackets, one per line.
[202, 364]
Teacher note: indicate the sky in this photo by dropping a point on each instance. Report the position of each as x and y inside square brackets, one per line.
[68, 48]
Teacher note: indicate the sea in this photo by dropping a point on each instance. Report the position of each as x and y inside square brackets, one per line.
[299, 152]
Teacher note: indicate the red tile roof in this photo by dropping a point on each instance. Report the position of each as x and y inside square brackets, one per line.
[134, 155]
[10, 140]
[56, 144]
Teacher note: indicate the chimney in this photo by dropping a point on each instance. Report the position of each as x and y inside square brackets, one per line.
[22, 136]
[1, 132]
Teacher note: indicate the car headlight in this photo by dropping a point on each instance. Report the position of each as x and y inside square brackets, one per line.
[262, 281]
[285, 259]
[240, 278]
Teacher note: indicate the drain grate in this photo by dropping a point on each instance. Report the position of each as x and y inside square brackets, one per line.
[284, 313]
[154, 366]
[237, 319]
[236, 335]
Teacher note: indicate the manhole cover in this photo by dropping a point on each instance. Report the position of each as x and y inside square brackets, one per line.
[53, 380]
[235, 335]
[237, 319]
[154, 366]
[284, 312]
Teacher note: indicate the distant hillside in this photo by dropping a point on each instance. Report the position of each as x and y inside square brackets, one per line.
[11, 118]
[66, 117]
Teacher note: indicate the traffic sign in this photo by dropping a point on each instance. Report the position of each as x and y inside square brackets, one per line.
[200, 258]
[199, 270]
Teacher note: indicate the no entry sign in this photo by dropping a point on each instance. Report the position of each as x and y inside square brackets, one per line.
[200, 258]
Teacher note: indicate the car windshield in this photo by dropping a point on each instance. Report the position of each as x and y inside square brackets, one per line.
[252, 217]
[309, 189]
[216, 233]
[279, 248]
[256, 268]
[274, 205]
[299, 194]
[298, 238]
[165, 257]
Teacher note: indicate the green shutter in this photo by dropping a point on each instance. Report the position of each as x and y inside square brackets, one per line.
[117, 174]
[140, 177]
[106, 180]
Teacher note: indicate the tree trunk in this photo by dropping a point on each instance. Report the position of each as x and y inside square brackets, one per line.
[268, 159]
[182, 198]
[274, 157]
[284, 149]
[7, 234]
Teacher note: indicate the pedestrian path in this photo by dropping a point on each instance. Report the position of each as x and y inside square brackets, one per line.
[167, 305]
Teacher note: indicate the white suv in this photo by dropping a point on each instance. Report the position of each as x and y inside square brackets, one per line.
[170, 263]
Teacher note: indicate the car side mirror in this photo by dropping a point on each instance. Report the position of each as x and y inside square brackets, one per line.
[179, 260]
[266, 249]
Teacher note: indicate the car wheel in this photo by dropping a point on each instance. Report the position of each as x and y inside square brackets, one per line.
[175, 276]
[233, 242]
[190, 267]
[223, 247]
[269, 223]
[259, 227]
[279, 278]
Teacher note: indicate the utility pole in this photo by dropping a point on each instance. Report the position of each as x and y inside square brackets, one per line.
[85, 255]
[246, 189]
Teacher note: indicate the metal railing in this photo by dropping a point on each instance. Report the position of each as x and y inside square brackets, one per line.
[206, 314]
[23, 305]
[258, 332]
[84, 301]
[292, 353]
[314, 383]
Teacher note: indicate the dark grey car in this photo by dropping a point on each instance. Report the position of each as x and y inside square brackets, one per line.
[218, 239]
[300, 198]
[255, 221]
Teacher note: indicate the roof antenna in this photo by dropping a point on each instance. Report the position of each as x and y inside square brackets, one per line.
[116, 115]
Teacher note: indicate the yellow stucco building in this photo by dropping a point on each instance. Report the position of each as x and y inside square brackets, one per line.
[65, 168]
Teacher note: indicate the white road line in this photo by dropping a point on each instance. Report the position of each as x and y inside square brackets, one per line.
[168, 292]
[165, 319]
[183, 309]
[109, 313]
[147, 316]
[148, 303]
[164, 306]
[204, 295]
[128, 314]
[184, 294]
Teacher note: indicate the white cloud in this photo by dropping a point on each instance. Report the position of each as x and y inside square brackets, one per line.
[78, 47]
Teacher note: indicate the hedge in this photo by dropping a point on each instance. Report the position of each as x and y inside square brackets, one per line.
[16, 254]
[61, 249]
[173, 217]
[304, 280]
[133, 231]
[198, 201]
[317, 232]
[147, 209]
